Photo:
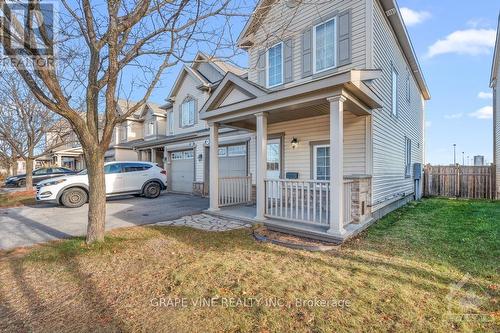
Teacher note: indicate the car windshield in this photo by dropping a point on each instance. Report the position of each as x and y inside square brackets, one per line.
[83, 172]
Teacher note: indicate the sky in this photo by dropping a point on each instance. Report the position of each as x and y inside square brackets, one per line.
[454, 42]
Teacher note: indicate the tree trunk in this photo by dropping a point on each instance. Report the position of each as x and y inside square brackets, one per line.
[97, 196]
[29, 173]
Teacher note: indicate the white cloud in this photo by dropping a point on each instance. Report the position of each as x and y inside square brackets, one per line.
[485, 95]
[412, 17]
[453, 116]
[470, 42]
[483, 113]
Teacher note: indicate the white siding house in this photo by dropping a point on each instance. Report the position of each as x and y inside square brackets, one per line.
[495, 85]
[336, 98]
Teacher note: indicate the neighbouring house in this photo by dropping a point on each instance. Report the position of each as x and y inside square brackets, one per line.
[183, 146]
[147, 123]
[67, 151]
[336, 98]
[495, 85]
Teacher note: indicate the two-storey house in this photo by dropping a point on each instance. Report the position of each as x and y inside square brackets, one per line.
[495, 85]
[336, 98]
[185, 148]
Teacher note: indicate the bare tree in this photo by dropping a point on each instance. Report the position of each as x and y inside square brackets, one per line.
[98, 43]
[8, 158]
[25, 123]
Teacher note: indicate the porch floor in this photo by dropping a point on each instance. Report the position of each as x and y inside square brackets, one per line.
[246, 213]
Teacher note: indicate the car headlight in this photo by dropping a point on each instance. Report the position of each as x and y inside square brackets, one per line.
[54, 182]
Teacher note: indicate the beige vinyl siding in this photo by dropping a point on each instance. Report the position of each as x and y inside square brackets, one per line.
[283, 22]
[388, 131]
[135, 130]
[188, 88]
[316, 129]
[125, 155]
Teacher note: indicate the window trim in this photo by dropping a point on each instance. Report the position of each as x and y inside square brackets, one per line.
[335, 46]
[171, 123]
[282, 66]
[315, 162]
[394, 92]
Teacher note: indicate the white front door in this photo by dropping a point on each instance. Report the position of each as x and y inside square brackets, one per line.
[273, 165]
[114, 178]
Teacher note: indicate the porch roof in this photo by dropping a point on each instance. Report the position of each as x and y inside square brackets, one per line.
[293, 99]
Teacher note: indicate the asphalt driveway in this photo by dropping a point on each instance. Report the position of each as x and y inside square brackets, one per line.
[24, 226]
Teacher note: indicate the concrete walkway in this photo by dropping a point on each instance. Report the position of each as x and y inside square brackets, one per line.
[29, 225]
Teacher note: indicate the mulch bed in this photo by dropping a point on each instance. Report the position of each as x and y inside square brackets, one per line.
[263, 234]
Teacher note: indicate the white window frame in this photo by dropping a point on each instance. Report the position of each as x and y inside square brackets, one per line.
[282, 66]
[315, 70]
[151, 127]
[233, 154]
[315, 160]
[407, 157]
[394, 92]
[123, 133]
[188, 123]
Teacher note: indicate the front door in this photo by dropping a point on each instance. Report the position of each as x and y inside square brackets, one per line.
[273, 165]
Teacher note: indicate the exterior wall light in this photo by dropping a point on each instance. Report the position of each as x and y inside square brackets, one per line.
[294, 143]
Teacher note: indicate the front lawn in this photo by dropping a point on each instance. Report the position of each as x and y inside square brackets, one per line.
[431, 266]
[18, 198]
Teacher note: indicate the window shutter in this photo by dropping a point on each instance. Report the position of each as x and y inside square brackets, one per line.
[307, 56]
[344, 38]
[288, 60]
[261, 68]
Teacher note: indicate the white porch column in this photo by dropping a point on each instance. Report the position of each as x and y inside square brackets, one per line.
[214, 167]
[337, 165]
[261, 166]
[59, 160]
[153, 155]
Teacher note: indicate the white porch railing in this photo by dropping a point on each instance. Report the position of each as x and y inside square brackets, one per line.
[305, 201]
[235, 190]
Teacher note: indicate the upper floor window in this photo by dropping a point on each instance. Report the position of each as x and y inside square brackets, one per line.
[170, 119]
[188, 113]
[123, 133]
[324, 45]
[151, 128]
[275, 65]
[394, 92]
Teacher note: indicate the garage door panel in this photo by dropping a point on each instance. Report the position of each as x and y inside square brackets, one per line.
[233, 166]
[182, 171]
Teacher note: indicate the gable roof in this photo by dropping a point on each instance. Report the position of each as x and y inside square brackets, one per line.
[496, 57]
[123, 105]
[229, 82]
[395, 20]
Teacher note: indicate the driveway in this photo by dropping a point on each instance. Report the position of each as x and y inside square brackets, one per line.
[24, 226]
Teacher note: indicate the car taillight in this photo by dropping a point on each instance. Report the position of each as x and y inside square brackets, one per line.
[163, 172]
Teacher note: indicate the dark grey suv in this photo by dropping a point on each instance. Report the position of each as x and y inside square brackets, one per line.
[38, 176]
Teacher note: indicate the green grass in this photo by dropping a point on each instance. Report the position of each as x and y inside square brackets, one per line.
[397, 276]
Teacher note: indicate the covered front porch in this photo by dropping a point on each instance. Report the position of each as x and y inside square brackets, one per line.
[312, 163]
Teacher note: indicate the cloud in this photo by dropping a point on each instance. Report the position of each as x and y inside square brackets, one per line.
[469, 42]
[485, 95]
[483, 113]
[453, 116]
[412, 17]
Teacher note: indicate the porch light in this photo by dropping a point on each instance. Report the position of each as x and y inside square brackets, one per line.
[294, 143]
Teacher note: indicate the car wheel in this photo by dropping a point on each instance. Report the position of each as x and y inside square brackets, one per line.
[74, 197]
[152, 190]
[21, 183]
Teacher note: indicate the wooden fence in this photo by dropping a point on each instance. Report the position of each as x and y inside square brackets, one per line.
[474, 182]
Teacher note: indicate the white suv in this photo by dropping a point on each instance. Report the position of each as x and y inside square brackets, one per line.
[122, 178]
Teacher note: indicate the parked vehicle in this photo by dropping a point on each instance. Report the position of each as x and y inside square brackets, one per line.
[38, 176]
[122, 178]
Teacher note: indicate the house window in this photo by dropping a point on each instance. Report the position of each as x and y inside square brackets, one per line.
[151, 128]
[407, 157]
[324, 41]
[187, 113]
[321, 161]
[275, 65]
[222, 151]
[394, 92]
[240, 150]
[170, 123]
[123, 133]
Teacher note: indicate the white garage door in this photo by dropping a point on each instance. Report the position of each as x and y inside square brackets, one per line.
[182, 171]
[233, 161]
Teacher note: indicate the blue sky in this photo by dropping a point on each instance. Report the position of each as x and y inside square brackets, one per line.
[454, 43]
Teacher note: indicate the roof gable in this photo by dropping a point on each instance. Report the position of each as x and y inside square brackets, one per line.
[496, 58]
